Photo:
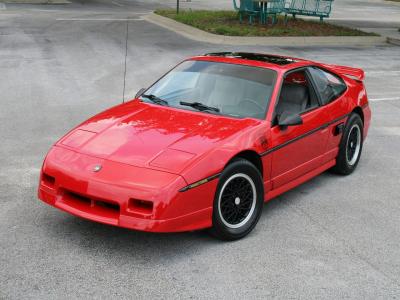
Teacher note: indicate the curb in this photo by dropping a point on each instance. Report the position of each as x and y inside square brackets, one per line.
[35, 1]
[202, 36]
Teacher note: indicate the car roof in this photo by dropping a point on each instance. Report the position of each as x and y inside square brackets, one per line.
[271, 61]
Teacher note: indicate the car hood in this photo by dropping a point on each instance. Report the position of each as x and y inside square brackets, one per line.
[147, 135]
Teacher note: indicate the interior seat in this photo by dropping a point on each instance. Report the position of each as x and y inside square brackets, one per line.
[225, 86]
[294, 98]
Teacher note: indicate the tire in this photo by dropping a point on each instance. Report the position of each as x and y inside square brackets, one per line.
[236, 211]
[350, 146]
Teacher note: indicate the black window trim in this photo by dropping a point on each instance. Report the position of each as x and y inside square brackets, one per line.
[316, 90]
[309, 77]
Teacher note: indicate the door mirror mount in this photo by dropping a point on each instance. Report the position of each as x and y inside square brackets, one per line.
[140, 92]
[289, 119]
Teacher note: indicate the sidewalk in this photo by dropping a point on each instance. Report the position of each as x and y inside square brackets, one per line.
[379, 16]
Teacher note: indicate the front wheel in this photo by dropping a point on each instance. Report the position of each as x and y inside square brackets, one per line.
[238, 201]
[350, 146]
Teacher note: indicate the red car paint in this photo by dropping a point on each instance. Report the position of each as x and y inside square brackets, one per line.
[153, 168]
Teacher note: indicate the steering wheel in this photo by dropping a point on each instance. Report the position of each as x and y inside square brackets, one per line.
[253, 103]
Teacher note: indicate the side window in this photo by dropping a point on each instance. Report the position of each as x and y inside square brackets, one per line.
[328, 85]
[297, 94]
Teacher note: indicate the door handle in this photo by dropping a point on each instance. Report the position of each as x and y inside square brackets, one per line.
[338, 129]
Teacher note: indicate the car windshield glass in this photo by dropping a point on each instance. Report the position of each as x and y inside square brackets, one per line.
[220, 88]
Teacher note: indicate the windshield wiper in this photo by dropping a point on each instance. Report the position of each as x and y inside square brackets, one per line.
[200, 106]
[155, 99]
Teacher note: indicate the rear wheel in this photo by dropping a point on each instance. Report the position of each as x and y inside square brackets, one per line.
[350, 146]
[238, 201]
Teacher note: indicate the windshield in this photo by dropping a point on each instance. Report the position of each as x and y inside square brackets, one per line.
[220, 88]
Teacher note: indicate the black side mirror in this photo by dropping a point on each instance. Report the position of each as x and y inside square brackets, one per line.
[289, 119]
[140, 93]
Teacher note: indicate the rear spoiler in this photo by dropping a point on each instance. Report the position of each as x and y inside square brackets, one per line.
[355, 73]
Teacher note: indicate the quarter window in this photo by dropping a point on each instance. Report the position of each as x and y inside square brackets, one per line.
[328, 85]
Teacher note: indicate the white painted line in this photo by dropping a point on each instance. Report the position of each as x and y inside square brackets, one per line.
[382, 72]
[89, 19]
[46, 10]
[3, 6]
[385, 94]
[384, 99]
[116, 3]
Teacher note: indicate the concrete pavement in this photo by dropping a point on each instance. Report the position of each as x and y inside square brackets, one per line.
[333, 237]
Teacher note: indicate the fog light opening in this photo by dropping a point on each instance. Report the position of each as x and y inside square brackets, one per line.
[140, 206]
[48, 180]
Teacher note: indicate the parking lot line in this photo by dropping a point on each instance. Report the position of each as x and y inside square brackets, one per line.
[117, 3]
[386, 72]
[384, 99]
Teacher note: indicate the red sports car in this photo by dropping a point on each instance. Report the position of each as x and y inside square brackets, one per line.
[209, 142]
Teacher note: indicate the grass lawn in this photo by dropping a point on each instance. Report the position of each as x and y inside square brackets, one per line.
[227, 23]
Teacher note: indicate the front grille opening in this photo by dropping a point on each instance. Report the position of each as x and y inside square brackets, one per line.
[80, 198]
[107, 205]
[101, 210]
[94, 203]
[48, 180]
[140, 206]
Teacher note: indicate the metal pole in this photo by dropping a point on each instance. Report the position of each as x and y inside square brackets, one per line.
[177, 6]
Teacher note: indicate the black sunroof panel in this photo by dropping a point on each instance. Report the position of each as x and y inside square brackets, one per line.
[272, 59]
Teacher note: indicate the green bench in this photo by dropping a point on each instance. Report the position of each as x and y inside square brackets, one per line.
[247, 7]
[314, 8]
[274, 8]
[252, 9]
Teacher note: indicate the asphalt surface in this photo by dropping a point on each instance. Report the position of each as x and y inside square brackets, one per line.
[333, 237]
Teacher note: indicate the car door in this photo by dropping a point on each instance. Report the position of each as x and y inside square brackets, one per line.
[297, 150]
[331, 91]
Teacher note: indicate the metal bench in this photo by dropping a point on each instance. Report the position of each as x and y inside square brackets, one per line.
[247, 7]
[274, 8]
[314, 8]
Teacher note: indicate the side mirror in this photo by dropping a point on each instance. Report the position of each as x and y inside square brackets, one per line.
[140, 93]
[289, 119]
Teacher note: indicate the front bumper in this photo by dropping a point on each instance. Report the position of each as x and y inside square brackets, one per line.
[123, 195]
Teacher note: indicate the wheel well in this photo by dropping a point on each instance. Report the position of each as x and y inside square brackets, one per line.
[358, 110]
[252, 157]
